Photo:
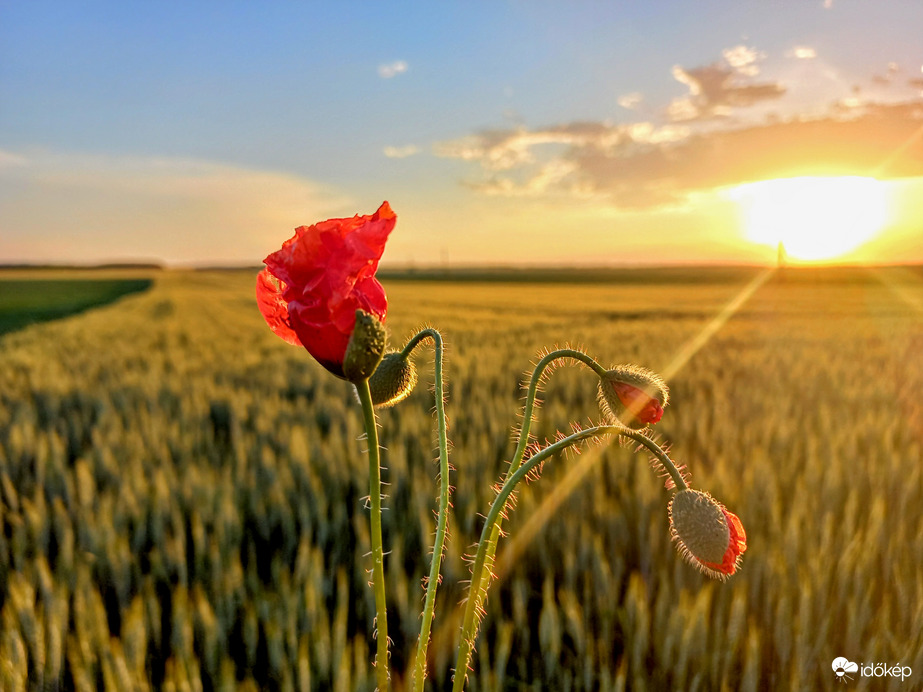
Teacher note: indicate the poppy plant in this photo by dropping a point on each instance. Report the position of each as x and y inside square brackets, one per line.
[311, 288]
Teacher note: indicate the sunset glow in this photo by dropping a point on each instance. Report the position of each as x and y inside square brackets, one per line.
[604, 133]
[813, 218]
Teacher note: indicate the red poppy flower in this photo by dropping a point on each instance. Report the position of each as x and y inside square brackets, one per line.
[706, 533]
[311, 288]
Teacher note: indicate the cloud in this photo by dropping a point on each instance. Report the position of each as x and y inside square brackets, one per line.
[630, 101]
[401, 152]
[642, 165]
[716, 89]
[743, 60]
[392, 69]
[802, 53]
[888, 77]
[75, 207]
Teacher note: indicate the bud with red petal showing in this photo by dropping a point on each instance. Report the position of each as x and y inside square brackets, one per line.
[312, 287]
[709, 536]
[393, 380]
[633, 396]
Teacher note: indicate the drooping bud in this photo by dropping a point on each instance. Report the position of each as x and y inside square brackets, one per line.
[393, 380]
[707, 535]
[632, 395]
[365, 349]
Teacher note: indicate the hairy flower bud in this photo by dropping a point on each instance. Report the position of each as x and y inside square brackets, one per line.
[365, 348]
[393, 380]
[708, 536]
[632, 395]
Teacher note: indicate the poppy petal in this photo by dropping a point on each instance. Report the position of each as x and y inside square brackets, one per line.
[273, 308]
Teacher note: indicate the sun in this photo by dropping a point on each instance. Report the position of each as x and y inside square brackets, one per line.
[814, 219]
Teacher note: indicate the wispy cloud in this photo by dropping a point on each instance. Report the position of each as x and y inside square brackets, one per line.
[392, 69]
[803, 53]
[631, 101]
[743, 59]
[85, 207]
[401, 152]
[716, 89]
[642, 165]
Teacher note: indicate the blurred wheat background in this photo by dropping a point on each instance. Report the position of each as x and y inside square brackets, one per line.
[182, 493]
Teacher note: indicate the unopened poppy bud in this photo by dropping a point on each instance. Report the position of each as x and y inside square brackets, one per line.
[365, 348]
[393, 380]
[709, 536]
[632, 395]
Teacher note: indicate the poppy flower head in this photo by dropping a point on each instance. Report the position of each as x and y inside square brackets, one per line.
[709, 536]
[312, 287]
[633, 396]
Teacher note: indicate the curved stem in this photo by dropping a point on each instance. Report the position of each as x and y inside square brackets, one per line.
[529, 409]
[443, 514]
[480, 572]
[487, 545]
[662, 457]
[478, 584]
[378, 571]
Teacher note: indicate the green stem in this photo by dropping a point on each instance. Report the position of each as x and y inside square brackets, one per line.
[483, 560]
[432, 583]
[480, 572]
[479, 583]
[378, 570]
[662, 457]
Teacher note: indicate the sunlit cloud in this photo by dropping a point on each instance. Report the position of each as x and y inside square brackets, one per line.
[803, 53]
[716, 90]
[392, 69]
[86, 207]
[401, 152]
[743, 60]
[890, 73]
[643, 166]
[631, 101]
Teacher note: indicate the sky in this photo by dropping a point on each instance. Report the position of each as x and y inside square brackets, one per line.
[579, 133]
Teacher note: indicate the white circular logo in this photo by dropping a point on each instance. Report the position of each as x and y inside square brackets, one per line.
[843, 666]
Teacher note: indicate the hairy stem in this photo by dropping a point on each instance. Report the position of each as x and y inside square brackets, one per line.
[432, 583]
[378, 571]
[489, 541]
[480, 573]
[662, 457]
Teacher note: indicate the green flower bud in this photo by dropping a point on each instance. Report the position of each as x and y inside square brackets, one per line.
[709, 536]
[393, 380]
[365, 349]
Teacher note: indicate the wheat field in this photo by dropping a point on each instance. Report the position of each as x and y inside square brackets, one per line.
[182, 493]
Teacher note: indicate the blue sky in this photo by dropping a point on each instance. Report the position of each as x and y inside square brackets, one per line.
[503, 132]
